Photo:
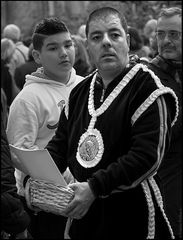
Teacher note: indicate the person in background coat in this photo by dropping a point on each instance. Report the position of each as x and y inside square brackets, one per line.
[168, 67]
[7, 81]
[14, 218]
[28, 67]
[13, 32]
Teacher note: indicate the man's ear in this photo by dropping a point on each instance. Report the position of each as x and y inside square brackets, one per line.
[86, 45]
[36, 56]
[128, 40]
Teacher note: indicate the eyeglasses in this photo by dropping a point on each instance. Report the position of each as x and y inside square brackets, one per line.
[172, 35]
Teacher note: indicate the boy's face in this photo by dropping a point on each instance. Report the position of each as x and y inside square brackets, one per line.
[57, 55]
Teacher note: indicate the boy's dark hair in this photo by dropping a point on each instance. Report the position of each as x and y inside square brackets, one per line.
[47, 27]
[103, 13]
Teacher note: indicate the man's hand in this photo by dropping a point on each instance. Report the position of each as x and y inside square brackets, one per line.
[22, 235]
[81, 202]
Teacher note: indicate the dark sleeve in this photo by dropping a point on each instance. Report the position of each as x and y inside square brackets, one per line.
[58, 145]
[14, 218]
[4, 107]
[19, 78]
[7, 171]
[150, 137]
[6, 81]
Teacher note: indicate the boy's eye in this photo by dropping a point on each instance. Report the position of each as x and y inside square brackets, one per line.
[52, 48]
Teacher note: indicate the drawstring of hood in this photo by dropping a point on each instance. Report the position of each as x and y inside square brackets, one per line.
[39, 76]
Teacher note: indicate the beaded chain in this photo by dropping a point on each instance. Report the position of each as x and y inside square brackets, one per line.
[159, 200]
[151, 210]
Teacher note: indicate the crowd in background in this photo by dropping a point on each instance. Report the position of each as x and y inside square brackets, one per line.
[17, 60]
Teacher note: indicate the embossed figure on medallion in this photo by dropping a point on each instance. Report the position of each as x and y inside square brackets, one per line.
[89, 148]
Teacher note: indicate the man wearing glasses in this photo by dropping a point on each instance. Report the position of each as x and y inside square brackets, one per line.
[167, 65]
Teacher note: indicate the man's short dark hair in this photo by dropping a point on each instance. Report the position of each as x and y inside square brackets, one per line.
[170, 12]
[136, 41]
[47, 27]
[103, 13]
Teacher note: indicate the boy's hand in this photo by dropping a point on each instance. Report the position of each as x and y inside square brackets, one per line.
[27, 198]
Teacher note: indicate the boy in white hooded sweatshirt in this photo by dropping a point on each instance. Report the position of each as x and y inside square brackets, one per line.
[35, 112]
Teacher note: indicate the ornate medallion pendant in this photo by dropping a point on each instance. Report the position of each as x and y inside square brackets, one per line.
[90, 148]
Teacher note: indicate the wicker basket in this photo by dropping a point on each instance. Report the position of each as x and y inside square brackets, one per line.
[49, 197]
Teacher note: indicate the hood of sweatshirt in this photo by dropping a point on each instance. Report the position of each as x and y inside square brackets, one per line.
[40, 77]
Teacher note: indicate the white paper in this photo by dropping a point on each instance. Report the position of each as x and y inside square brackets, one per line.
[39, 164]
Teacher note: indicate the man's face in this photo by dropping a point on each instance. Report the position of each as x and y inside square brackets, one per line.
[170, 47]
[57, 55]
[107, 44]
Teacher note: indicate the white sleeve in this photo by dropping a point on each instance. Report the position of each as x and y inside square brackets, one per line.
[23, 124]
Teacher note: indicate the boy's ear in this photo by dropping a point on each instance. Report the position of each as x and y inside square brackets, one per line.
[36, 56]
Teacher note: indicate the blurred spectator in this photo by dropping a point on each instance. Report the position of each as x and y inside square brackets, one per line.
[27, 41]
[153, 45]
[7, 81]
[13, 32]
[81, 31]
[7, 49]
[4, 107]
[28, 67]
[136, 44]
[145, 39]
[150, 27]
[82, 62]
[149, 33]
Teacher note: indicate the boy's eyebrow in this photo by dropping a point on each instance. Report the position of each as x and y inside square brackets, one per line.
[57, 43]
[50, 44]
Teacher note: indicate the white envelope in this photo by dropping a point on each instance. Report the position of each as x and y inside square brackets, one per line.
[38, 164]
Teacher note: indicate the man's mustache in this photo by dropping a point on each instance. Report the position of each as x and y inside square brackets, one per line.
[168, 47]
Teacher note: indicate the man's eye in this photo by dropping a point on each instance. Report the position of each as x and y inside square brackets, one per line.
[95, 38]
[68, 45]
[173, 34]
[160, 34]
[114, 35]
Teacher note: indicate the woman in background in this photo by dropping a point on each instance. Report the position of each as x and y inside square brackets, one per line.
[82, 63]
[7, 70]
